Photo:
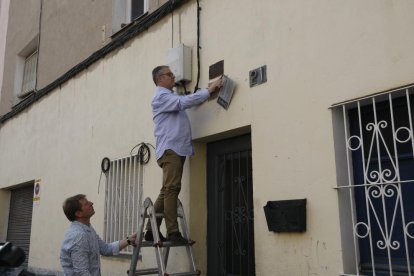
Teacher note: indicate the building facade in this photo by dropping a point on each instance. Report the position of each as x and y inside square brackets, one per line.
[319, 130]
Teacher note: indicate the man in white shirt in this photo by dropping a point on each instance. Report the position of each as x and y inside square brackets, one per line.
[173, 137]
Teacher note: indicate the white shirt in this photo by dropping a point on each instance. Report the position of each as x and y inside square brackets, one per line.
[172, 127]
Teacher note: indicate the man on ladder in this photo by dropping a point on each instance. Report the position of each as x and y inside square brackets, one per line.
[172, 131]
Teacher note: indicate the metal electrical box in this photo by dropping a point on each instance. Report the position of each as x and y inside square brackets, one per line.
[179, 61]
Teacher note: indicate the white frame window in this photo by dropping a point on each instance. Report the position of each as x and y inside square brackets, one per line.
[122, 11]
[29, 74]
[136, 9]
[25, 77]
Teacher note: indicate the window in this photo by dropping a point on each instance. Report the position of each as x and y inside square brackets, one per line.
[123, 198]
[138, 8]
[25, 76]
[126, 11]
[379, 184]
[29, 74]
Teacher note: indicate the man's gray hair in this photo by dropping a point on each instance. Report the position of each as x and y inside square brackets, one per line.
[156, 72]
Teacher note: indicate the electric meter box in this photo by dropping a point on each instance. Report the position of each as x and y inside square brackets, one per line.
[179, 61]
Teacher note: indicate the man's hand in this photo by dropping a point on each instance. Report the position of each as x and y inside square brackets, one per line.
[132, 238]
[215, 85]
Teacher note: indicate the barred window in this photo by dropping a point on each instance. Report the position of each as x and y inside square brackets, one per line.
[379, 191]
[123, 198]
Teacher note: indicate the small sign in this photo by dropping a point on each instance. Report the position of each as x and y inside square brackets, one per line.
[226, 92]
[216, 70]
[36, 193]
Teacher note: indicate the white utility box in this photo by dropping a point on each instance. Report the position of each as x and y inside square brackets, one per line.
[179, 61]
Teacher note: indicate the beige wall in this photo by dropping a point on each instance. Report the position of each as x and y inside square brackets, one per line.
[4, 20]
[22, 29]
[154, 4]
[70, 32]
[317, 54]
[4, 213]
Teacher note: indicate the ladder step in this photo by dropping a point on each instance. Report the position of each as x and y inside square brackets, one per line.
[148, 244]
[150, 271]
[161, 215]
[147, 271]
[193, 273]
[172, 244]
[166, 244]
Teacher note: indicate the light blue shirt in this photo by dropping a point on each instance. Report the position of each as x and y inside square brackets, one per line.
[172, 127]
[80, 250]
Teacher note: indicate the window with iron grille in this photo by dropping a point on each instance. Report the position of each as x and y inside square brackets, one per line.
[29, 74]
[123, 198]
[378, 189]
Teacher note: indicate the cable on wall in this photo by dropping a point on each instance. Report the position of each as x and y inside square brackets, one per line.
[172, 29]
[38, 43]
[105, 166]
[198, 45]
[185, 87]
[144, 153]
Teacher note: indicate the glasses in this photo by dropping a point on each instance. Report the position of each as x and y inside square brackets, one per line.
[170, 74]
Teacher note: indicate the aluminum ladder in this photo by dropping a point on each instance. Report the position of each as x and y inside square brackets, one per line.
[162, 249]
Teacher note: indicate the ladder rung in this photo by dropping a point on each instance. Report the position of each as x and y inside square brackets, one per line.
[166, 244]
[148, 244]
[161, 215]
[183, 273]
[171, 244]
[147, 271]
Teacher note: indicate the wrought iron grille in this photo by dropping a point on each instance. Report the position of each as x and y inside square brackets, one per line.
[380, 160]
[123, 198]
[236, 243]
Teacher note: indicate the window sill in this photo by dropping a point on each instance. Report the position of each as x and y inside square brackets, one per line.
[126, 26]
[24, 95]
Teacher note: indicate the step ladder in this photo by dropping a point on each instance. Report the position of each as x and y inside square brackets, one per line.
[162, 249]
